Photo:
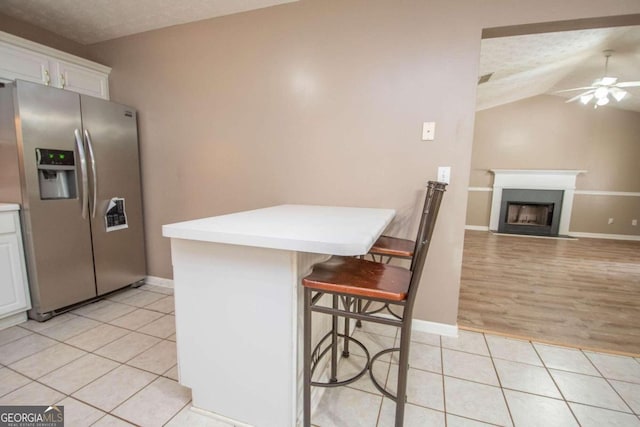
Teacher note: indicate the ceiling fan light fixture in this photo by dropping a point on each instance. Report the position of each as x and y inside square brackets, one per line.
[603, 90]
[586, 98]
[601, 93]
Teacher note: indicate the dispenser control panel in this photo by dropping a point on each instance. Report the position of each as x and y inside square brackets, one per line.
[50, 157]
[56, 174]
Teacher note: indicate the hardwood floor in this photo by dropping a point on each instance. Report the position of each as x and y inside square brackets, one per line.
[582, 292]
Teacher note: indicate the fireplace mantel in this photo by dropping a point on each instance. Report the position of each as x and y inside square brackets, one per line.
[535, 179]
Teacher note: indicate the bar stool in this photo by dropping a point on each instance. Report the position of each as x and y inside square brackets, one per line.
[351, 281]
[395, 247]
[390, 247]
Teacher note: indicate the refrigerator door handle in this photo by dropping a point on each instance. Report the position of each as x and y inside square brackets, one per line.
[83, 173]
[94, 175]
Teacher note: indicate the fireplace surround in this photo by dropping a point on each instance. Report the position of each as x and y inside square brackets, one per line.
[535, 179]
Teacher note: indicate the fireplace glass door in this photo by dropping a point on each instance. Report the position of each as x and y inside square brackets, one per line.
[536, 214]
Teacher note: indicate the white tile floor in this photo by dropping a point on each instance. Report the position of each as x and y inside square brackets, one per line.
[113, 363]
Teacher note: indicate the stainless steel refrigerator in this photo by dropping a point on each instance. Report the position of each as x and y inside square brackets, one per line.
[72, 163]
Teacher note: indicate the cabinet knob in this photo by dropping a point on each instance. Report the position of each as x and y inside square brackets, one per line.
[47, 77]
[63, 82]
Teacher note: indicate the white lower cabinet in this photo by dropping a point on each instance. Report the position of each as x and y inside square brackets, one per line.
[14, 290]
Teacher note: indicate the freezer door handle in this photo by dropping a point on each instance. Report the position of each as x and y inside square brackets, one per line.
[83, 173]
[94, 175]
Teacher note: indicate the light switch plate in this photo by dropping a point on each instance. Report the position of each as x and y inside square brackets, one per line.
[428, 131]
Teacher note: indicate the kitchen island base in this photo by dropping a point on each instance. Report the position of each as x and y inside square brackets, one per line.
[250, 297]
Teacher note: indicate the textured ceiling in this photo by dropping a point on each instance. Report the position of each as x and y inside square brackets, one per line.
[522, 66]
[531, 65]
[92, 21]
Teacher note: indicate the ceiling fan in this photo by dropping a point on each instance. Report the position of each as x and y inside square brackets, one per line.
[604, 89]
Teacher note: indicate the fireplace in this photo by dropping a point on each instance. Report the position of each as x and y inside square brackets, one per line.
[533, 212]
[562, 181]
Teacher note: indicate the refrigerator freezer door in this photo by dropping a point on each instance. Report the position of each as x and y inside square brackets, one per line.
[57, 238]
[112, 145]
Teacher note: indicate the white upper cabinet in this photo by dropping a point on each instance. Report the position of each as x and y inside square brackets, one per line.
[18, 63]
[26, 60]
[81, 79]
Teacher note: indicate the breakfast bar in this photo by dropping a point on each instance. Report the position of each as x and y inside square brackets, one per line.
[238, 303]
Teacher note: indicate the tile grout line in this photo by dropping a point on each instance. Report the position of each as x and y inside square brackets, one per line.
[176, 414]
[493, 363]
[444, 394]
[548, 371]
[611, 385]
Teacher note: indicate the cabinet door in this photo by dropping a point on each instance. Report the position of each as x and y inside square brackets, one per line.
[13, 297]
[18, 63]
[82, 80]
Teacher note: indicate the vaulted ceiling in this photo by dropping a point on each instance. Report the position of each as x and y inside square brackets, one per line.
[530, 65]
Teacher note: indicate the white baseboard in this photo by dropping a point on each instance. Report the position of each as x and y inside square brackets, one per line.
[426, 326]
[435, 328]
[604, 236]
[217, 417]
[12, 320]
[159, 281]
[477, 227]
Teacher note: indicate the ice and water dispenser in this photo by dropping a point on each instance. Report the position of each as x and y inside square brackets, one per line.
[56, 174]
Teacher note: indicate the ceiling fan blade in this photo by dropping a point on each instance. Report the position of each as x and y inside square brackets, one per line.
[628, 84]
[575, 98]
[575, 88]
[605, 81]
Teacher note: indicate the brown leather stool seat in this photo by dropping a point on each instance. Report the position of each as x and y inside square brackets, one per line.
[393, 247]
[390, 247]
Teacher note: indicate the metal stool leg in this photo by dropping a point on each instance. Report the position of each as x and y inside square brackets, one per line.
[345, 348]
[403, 371]
[307, 359]
[334, 343]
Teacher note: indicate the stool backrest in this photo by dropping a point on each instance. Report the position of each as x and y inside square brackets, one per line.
[435, 191]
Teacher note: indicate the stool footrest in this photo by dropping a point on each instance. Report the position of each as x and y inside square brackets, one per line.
[373, 378]
[317, 354]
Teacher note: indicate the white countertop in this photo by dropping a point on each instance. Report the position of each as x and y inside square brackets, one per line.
[306, 228]
[8, 207]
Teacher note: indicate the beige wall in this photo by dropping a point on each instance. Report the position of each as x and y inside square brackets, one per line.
[479, 208]
[544, 132]
[319, 101]
[591, 213]
[36, 34]
[316, 102]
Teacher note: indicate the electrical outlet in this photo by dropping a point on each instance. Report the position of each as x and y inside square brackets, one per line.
[634, 222]
[444, 174]
[610, 221]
